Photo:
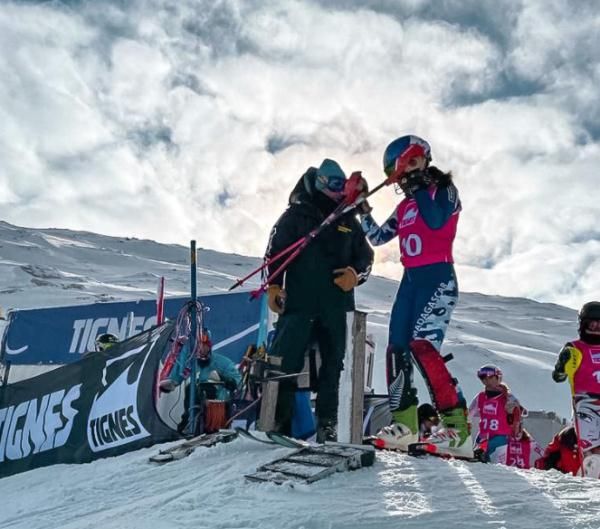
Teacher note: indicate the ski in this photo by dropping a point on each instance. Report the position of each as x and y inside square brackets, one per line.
[185, 448]
[250, 435]
[288, 442]
[429, 449]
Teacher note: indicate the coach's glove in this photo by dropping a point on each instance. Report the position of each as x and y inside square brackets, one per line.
[346, 278]
[276, 297]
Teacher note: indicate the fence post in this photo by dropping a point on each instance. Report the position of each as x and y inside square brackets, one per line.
[352, 381]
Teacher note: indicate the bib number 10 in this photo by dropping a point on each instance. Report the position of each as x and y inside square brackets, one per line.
[412, 245]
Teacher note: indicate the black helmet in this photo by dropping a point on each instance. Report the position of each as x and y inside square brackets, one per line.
[105, 341]
[590, 311]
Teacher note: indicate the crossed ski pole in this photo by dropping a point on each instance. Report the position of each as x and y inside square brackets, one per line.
[294, 249]
[353, 199]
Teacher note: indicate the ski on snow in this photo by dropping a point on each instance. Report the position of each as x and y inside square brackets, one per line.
[185, 448]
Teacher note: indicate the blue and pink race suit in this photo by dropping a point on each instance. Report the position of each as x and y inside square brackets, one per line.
[426, 226]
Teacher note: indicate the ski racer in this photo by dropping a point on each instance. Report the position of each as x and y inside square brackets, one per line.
[562, 453]
[425, 223]
[217, 377]
[522, 450]
[316, 291]
[498, 412]
[579, 361]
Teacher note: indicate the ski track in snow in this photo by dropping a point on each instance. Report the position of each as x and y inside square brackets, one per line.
[208, 490]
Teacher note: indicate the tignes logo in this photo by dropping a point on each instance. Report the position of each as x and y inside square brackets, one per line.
[409, 217]
[114, 419]
[86, 330]
[490, 408]
[37, 425]
[516, 449]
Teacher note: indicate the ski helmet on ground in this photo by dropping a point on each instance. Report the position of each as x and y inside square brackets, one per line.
[401, 146]
[331, 179]
[489, 370]
[105, 341]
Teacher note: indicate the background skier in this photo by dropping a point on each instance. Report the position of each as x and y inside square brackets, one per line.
[579, 361]
[425, 222]
[317, 290]
[562, 453]
[498, 413]
[217, 377]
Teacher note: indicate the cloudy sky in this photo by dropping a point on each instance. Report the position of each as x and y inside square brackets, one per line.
[180, 119]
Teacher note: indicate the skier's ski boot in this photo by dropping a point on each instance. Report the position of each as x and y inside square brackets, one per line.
[453, 439]
[401, 433]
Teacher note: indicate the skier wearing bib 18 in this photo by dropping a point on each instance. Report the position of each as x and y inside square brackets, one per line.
[425, 223]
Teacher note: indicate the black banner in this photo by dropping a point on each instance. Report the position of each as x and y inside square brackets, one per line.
[100, 406]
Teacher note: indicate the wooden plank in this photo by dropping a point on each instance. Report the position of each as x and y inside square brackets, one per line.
[358, 377]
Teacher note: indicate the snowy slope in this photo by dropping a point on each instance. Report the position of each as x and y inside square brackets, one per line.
[208, 490]
[56, 267]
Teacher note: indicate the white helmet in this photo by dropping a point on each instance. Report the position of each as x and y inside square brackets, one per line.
[591, 466]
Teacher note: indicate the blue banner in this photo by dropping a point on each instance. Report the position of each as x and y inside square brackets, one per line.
[61, 335]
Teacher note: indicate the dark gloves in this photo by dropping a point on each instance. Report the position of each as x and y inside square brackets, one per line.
[276, 297]
[346, 278]
[411, 182]
[559, 375]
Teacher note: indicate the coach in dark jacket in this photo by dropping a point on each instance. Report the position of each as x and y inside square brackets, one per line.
[317, 289]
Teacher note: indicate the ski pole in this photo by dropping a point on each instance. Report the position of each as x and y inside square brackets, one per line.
[276, 257]
[341, 210]
[266, 263]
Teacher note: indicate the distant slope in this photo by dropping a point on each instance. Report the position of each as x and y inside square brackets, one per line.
[50, 267]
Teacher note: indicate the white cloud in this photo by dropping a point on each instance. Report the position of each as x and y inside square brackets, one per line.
[194, 119]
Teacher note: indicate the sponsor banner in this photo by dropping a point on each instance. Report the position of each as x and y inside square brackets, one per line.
[61, 335]
[101, 406]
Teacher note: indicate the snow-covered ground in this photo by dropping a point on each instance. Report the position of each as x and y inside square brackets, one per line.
[48, 267]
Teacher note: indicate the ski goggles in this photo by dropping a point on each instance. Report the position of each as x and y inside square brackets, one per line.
[488, 371]
[335, 183]
[410, 165]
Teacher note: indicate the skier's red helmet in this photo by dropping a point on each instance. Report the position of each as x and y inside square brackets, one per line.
[404, 147]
